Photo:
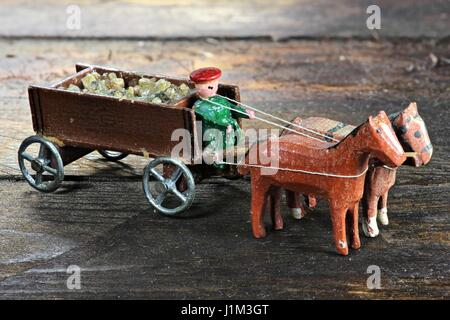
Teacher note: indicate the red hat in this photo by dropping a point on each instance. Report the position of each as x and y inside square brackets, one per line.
[205, 74]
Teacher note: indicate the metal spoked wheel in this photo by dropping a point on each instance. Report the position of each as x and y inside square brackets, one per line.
[113, 155]
[162, 187]
[41, 156]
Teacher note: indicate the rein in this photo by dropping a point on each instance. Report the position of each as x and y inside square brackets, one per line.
[271, 123]
[288, 129]
[325, 174]
[280, 119]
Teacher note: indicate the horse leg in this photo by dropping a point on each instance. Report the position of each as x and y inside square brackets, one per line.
[295, 205]
[356, 243]
[275, 208]
[259, 194]
[382, 212]
[339, 229]
[369, 225]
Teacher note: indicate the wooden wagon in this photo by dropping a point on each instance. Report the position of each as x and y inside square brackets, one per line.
[69, 125]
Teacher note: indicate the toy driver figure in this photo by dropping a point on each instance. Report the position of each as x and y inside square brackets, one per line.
[215, 113]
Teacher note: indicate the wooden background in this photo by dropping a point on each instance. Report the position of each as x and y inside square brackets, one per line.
[309, 58]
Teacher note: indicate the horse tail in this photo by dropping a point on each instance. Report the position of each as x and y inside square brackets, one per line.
[245, 165]
[242, 168]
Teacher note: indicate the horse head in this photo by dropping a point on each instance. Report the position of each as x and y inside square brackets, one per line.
[413, 135]
[382, 141]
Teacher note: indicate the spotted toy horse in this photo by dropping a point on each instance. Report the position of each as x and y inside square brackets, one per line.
[335, 171]
[413, 136]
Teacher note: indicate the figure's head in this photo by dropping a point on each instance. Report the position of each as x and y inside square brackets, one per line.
[413, 135]
[383, 142]
[206, 81]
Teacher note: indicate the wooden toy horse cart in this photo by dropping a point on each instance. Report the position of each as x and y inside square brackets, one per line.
[70, 125]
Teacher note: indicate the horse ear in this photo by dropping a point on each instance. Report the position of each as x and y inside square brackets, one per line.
[382, 116]
[411, 109]
[371, 121]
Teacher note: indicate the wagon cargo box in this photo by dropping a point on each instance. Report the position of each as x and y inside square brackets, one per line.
[91, 121]
[70, 124]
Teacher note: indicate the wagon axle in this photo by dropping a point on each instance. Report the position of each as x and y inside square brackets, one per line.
[49, 161]
[38, 165]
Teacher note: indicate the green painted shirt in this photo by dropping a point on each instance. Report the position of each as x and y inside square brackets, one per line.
[217, 117]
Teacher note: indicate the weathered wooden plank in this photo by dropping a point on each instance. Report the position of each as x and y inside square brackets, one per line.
[35, 227]
[229, 19]
[100, 219]
[345, 81]
[125, 250]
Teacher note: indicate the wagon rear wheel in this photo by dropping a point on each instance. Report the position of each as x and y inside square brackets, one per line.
[162, 189]
[113, 155]
[45, 161]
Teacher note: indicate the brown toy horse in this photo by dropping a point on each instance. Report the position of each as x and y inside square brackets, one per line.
[334, 171]
[413, 136]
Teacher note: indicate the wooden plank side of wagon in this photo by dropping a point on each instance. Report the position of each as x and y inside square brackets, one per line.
[96, 122]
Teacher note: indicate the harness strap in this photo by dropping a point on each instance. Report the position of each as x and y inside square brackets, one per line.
[298, 170]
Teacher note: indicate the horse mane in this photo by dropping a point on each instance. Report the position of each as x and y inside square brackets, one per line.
[393, 116]
[352, 134]
[397, 129]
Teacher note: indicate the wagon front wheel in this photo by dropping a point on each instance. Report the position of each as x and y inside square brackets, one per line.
[113, 155]
[42, 167]
[162, 189]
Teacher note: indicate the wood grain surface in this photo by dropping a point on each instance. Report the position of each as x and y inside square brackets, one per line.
[192, 19]
[100, 219]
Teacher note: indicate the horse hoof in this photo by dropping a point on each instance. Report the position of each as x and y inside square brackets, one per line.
[356, 245]
[370, 228]
[383, 217]
[258, 234]
[278, 225]
[296, 213]
[342, 248]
